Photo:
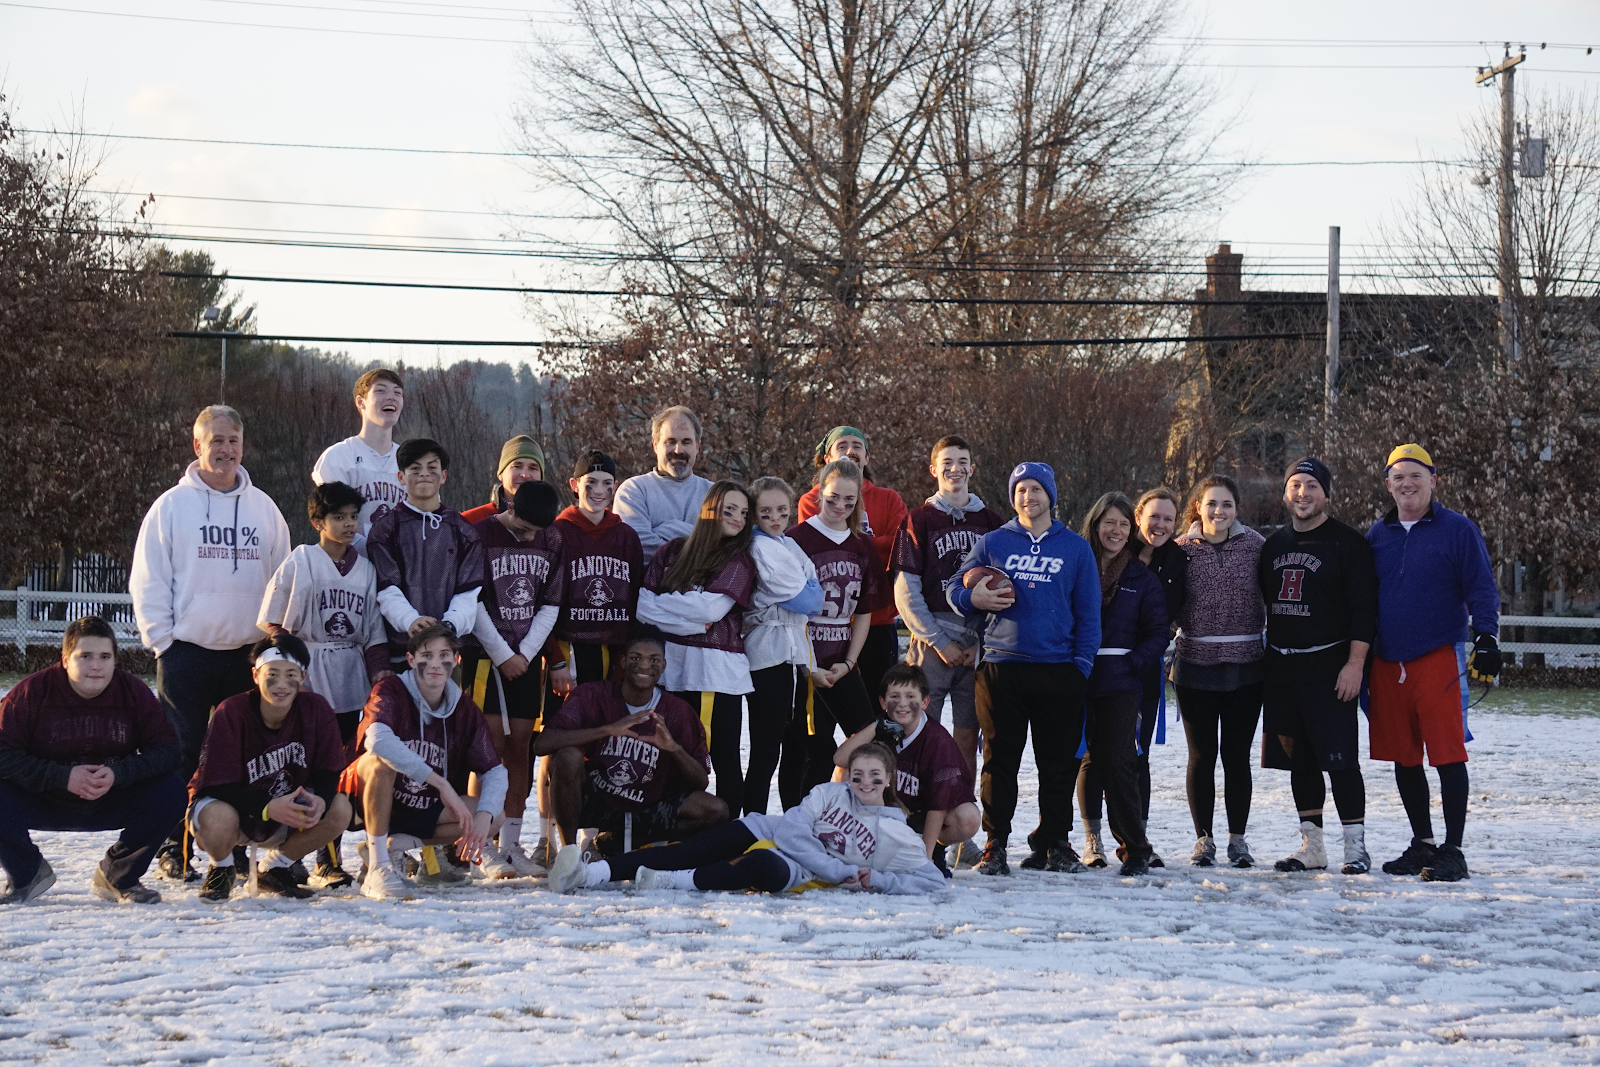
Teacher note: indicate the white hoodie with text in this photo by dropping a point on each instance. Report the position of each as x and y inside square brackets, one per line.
[203, 561]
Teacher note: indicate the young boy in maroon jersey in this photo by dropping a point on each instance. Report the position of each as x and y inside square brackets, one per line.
[853, 587]
[84, 745]
[933, 777]
[429, 562]
[521, 600]
[420, 739]
[627, 747]
[269, 774]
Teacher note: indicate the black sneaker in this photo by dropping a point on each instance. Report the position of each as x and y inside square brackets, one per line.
[219, 884]
[300, 874]
[137, 893]
[329, 875]
[1064, 858]
[941, 862]
[1037, 860]
[994, 860]
[170, 863]
[1134, 868]
[1447, 865]
[1417, 855]
[281, 881]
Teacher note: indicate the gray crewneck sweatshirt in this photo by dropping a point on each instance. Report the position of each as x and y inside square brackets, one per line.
[660, 508]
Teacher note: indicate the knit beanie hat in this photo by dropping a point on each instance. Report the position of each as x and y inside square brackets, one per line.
[1039, 472]
[1316, 468]
[520, 447]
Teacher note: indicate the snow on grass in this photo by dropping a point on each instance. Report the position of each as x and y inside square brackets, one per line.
[1187, 967]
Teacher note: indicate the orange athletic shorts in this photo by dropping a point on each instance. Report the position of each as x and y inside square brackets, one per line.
[1419, 703]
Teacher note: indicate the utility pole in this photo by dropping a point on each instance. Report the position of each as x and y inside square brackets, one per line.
[1506, 71]
[1332, 374]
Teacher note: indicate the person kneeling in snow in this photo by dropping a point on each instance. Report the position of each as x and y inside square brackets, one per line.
[269, 774]
[420, 738]
[851, 833]
[933, 778]
[626, 748]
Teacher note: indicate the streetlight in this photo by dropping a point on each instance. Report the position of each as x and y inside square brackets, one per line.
[212, 315]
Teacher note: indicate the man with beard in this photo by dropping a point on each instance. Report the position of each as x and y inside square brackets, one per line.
[665, 503]
[1321, 592]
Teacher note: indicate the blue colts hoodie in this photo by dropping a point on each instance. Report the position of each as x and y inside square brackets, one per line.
[1056, 617]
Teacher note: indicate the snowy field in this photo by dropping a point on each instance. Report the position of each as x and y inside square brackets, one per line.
[1188, 967]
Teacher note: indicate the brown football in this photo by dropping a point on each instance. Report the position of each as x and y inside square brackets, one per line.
[998, 582]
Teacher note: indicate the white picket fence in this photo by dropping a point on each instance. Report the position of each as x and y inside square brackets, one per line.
[1556, 654]
[26, 629]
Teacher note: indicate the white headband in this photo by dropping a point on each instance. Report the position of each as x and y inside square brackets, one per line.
[273, 653]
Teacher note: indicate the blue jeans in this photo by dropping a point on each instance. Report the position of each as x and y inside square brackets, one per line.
[144, 812]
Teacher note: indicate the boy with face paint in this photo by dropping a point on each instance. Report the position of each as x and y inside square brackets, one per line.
[521, 461]
[269, 775]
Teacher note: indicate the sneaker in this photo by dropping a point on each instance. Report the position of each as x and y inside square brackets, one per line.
[524, 864]
[134, 894]
[280, 881]
[967, 854]
[1064, 859]
[298, 872]
[1447, 865]
[1417, 855]
[941, 862]
[494, 864]
[434, 868]
[1156, 860]
[171, 864]
[646, 878]
[383, 882]
[1356, 860]
[1094, 854]
[42, 879]
[1311, 856]
[328, 874]
[219, 884]
[1036, 860]
[1239, 855]
[1205, 852]
[544, 853]
[569, 871]
[1133, 868]
[994, 860]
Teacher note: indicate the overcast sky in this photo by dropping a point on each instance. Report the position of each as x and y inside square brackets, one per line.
[1357, 80]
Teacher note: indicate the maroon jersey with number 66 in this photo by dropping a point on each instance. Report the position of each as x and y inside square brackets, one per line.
[853, 583]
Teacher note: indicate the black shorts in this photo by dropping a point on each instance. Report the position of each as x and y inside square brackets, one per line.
[420, 823]
[1304, 707]
[656, 822]
[482, 682]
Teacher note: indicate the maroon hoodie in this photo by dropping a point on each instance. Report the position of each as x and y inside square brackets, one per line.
[602, 565]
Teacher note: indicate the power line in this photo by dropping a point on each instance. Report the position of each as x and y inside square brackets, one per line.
[229, 335]
[1130, 340]
[354, 207]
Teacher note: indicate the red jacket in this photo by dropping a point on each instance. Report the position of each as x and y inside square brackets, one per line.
[886, 513]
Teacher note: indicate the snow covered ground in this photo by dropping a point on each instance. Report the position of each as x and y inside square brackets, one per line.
[1188, 967]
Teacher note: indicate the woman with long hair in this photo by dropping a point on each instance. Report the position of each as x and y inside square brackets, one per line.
[775, 640]
[696, 590]
[1133, 634]
[853, 587]
[1218, 670]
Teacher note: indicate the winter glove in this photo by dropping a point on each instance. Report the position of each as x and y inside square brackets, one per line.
[890, 733]
[1484, 663]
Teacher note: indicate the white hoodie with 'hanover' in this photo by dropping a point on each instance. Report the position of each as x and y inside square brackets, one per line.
[203, 561]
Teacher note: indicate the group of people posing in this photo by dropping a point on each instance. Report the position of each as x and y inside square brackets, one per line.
[404, 675]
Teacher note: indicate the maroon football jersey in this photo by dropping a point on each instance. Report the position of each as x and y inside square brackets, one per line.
[932, 543]
[931, 774]
[452, 746]
[522, 577]
[46, 718]
[629, 772]
[853, 583]
[240, 750]
[601, 568]
[736, 579]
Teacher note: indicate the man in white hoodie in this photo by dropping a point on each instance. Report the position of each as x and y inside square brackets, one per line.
[206, 551]
[664, 503]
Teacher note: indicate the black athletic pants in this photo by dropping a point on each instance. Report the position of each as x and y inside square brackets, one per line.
[880, 652]
[771, 711]
[1091, 785]
[809, 744]
[1413, 785]
[1231, 716]
[1112, 728]
[1012, 698]
[190, 681]
[719, 858]
[724, 736]
[143, 812]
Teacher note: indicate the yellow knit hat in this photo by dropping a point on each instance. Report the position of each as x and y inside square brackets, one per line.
[1414, 452]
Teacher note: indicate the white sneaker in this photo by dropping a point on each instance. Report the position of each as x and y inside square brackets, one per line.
[652, 879]
[494, 864]
[1094, 853]
[1356, 860]
[1311, 855]
[544, 853]
[444, 872]
[572, 871]
[383, 882]
[525, 865]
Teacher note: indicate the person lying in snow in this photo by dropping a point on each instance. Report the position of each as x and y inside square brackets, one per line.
[851, 834]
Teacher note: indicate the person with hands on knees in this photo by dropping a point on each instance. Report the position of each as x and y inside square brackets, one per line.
[851, 834]
[420, 740]
[1436, 590]
[932, 777]
[1038, 584]
[626, 754]
[85, 745]
[519, 605]
[428, 559]
[269, 775]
